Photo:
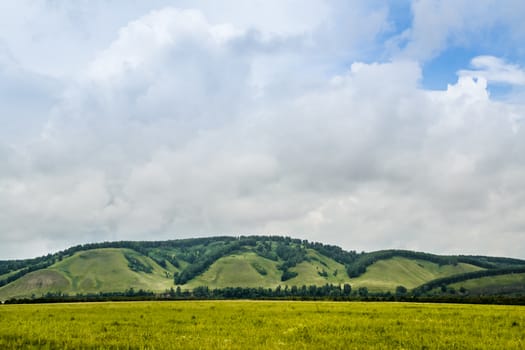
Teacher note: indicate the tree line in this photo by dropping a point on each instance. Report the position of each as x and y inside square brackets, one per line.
[312, 292]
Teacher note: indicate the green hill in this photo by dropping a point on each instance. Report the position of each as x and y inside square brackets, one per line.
[243, 270]
[491, 285]
[108, 270]
[36, 283]
[92, 271]
[319, 270]
[251, 262]
[399, 271]
[251, 270]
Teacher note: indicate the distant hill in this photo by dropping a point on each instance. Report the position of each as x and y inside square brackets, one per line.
[254, 261]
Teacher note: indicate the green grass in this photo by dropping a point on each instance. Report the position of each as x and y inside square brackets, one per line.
[37, 283]
[504, 284]
[261, 325]
[238, 270]
[309, 271]
[107, 270]
[388, 274]
[6, 275]
[90, 271]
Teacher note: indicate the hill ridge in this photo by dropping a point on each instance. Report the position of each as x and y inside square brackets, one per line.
[223, 261]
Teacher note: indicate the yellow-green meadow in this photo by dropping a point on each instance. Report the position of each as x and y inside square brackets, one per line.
[261, 324]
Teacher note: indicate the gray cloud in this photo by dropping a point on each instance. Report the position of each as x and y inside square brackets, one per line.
[17, 86]
[183, 125]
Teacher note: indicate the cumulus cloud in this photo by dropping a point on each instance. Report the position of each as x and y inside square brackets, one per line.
[496, 70]
[185, 124]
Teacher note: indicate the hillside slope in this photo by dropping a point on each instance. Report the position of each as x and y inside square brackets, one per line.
[490, 285]
[399, 271]
[239, 270]
[92, 271]
[253, 261]
[251, 270]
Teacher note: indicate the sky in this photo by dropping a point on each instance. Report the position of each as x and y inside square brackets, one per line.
[366, 124]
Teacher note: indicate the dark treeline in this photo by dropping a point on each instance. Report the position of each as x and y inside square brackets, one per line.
[291, 255]
[328, 292]
[59, 297]
[136, 265]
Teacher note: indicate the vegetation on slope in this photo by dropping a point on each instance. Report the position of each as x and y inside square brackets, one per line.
[361, 263]
[245, 261]
[513, 283]
[440, 282]
[36, 283]
[401, 271]
[92, 271]
[240, 269]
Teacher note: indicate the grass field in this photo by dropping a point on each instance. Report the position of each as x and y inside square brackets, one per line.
[261, 324]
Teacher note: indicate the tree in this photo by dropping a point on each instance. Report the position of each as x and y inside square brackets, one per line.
[294, 290]
[401, 290]
[347, 289]
[363, 292]
[201, 292]
[287, 274]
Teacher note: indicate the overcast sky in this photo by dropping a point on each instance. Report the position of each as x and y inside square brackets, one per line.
[365, 124]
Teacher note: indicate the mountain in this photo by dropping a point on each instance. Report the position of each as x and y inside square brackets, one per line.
[254, 261]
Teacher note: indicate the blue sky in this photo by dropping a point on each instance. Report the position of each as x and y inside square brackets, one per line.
[366, 124]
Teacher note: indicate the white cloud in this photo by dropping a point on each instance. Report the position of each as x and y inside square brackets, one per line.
[141, 40]
[192, 122]
[368, 161]
[496, 70]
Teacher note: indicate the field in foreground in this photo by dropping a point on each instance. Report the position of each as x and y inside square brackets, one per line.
[261, 324]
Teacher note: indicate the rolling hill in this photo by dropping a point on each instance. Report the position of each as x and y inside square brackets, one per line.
[399, 271]
[253, 262]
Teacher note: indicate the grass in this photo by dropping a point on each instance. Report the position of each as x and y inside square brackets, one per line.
[261, 325]
[238, 270]
[6, 275]
[37, 283]
[107, 270]
[511, 283]
[309, 271]
[398, 271]
[89, 271]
